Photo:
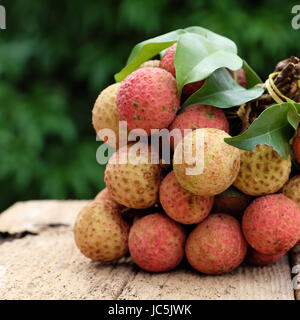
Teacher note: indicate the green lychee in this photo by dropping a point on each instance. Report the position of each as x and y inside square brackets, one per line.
[292, 189]
[221, 162]
[105, 114]
[136, 183]
[262, 171]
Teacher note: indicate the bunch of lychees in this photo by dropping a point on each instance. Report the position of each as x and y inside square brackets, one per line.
[239, 201]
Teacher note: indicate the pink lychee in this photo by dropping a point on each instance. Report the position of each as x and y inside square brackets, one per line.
[148, 99]
[156, 243]
[182, 205]
[271, 224]
[167, 63]
[216, 245]
[196, 117]
[261, 259]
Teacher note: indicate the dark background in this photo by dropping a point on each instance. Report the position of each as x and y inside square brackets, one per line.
[56, 56]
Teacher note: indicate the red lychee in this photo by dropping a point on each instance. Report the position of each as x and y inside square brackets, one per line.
[182, 205]
[216, 245]
[196, 117]
[156, 243]
[261, 259]
[148, 99]
[271, 224]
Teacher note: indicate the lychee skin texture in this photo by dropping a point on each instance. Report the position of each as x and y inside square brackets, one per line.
[105, 114]
[292, 189]
[261, 259]
[150, 63]
[104, 195]
[216, 245]
[271, 224]
[148, 99]
[167, 61]
[199, 116]
[156, 243]
[296, 146]
[262, 171]
[180, 204]
[100, 232]
[133, 185]
[221, 163]
[232, 203]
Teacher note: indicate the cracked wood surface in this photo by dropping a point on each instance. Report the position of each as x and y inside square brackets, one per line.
[39, 260]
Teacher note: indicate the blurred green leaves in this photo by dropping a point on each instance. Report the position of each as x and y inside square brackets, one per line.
[56, 56]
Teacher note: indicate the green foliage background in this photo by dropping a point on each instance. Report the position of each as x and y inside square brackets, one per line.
[56, 56]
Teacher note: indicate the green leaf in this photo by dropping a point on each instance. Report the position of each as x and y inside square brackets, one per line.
[293, 114]
[271, 127]
[220, 90]
[197, 57]
[147, 49]
[252, 77]
[222, 42]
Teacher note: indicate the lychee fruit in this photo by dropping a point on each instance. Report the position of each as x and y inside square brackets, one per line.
[271, 224]
[105, 114]
[241, 77]
[148, 99]
[199, 116]
[156, 243]
[262, 171]
[191, 88]
[292, 189]
[261, 259]
[232, 202]
[182, 205]
[216, 245]
[100, 232]
[167, 63]
[211, 171]
[134, 184]
[296, 146]
[105, 195]
[150, 63]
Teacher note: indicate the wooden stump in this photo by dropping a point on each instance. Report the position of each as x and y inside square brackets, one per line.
[39, 260]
